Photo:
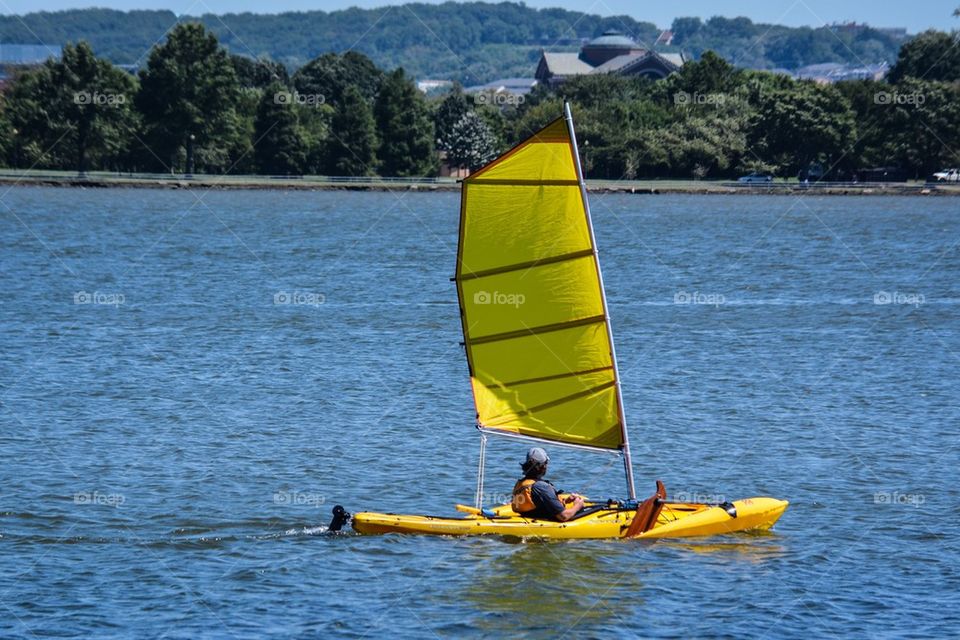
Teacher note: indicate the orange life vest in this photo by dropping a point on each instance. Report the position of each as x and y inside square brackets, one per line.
[523, 496]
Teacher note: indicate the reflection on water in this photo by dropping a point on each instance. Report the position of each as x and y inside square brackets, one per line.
[755, 549]
[550, 587]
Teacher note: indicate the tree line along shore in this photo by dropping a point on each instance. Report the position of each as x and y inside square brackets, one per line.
[195, 109]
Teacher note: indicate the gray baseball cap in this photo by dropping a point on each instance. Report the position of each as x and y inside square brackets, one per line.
[538, 456]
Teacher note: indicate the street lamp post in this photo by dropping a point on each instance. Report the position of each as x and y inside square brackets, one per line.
[190, 140]
[16, 147]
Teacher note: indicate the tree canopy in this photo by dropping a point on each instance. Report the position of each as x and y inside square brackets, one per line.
[198, 108]
[933, 55]
[188, 96]
[406, 128]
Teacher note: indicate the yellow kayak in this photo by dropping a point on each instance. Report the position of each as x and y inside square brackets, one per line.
[599, 520]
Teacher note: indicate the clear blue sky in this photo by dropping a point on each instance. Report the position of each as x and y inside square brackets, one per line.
[915, 15]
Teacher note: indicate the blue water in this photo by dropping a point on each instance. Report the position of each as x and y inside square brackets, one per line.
[190, 381]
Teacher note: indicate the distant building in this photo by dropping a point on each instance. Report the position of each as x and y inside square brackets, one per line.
[665, 38]
[612, 52]
[432, 86]
[515, 86]
[830, 72]
[448, 171]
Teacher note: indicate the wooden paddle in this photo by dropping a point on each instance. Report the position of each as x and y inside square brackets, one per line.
[647, 512]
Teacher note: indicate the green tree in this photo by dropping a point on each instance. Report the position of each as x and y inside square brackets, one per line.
[188, 95]
[795, 126]
[867, 100]
[352, 149]
[330, 74]
[472, 144]
[27, 107]
[704, 145]
[449, 112]
[922, 126]
[684, 29]
[72, 111]
[316, 127]
[406, 130]
[258, 73]
[932, 55]
[236, 154]
[710, 74]
[535, 114]
[278, 146]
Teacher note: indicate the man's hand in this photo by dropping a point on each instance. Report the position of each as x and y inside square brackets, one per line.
[575, 503]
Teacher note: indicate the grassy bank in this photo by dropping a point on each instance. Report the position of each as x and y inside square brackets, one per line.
[167, 181]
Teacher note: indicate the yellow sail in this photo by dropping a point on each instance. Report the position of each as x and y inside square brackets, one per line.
[531, 298]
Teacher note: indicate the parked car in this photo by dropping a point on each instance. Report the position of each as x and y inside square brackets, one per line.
[947, 175]
[755, 177]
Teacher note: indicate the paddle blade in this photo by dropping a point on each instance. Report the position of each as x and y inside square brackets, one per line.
[647, 512]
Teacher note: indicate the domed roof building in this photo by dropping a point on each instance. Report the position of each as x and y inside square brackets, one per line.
[607, 47]
[612, 52]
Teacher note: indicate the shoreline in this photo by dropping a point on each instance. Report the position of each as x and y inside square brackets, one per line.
[637, 187]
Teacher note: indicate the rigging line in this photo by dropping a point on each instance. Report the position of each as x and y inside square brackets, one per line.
[482, 470]
[603, 471]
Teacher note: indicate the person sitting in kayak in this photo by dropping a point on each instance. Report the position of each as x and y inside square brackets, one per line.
[534, 497]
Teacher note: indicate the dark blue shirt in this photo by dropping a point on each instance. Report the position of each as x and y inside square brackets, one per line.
[545, 497]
